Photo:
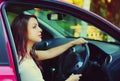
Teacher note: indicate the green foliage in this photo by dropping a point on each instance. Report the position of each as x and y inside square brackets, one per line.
[108, 10]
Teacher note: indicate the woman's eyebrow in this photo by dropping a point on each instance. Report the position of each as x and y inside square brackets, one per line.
[35, 24]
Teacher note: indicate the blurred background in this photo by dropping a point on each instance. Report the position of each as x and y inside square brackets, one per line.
[109, 9]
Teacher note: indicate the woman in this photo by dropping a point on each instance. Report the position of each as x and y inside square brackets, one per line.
[26, 33]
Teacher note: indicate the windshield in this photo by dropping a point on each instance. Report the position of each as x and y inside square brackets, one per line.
[65, 25]
[70, 26]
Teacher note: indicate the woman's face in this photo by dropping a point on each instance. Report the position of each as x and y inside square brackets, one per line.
[34, 31]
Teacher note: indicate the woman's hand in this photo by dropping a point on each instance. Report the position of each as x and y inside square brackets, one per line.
[79, 41]
[74, 77]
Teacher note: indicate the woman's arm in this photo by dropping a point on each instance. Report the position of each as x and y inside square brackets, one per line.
[56, 51]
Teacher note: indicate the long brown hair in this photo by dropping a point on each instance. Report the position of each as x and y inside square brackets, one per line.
[19, 31]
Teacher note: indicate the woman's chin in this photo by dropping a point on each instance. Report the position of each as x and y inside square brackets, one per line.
[39, 40]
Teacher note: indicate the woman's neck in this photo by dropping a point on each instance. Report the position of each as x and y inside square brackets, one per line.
[29, 47]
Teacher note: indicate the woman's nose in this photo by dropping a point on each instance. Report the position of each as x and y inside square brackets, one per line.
[40, 29]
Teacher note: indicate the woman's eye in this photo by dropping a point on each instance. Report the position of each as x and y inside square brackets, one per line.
[34, 26]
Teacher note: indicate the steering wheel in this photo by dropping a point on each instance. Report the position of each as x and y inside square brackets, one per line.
[74, 60]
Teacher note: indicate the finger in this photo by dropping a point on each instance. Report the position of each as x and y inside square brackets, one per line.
[80, 75]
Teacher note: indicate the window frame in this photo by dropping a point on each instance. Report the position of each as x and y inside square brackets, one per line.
[4, 60]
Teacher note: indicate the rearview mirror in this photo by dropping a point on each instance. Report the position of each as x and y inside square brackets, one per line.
[55, 16]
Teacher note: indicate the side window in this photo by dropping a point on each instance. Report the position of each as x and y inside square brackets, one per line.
[70, 26]
[3, 51]
[58, 24]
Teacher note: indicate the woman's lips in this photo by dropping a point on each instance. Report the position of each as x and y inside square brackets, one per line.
[40, 36]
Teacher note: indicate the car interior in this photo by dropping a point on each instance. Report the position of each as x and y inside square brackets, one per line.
[98, 60]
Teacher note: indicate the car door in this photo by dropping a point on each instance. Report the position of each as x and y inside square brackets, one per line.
[8, 63]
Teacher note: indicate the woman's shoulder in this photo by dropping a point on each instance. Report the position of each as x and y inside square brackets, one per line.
[25, 63]
[28, 67]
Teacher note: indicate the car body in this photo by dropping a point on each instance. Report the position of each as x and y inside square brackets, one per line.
[62, 22]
